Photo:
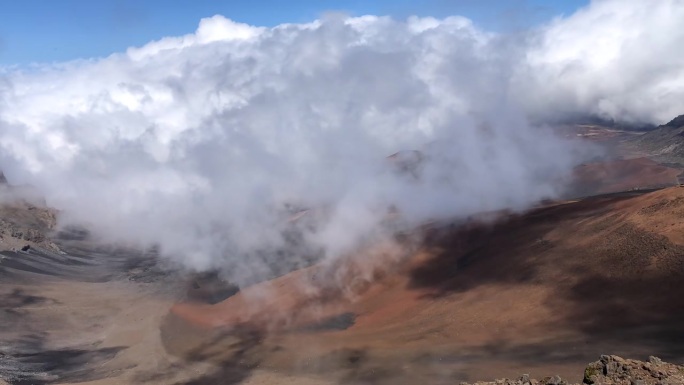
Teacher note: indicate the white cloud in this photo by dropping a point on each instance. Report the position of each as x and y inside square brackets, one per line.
[617, 59]
[198, 142]
[212, 29]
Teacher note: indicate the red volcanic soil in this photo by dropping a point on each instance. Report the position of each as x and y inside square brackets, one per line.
[540, 293]
[623, 174]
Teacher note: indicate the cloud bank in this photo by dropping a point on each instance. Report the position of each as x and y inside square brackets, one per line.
[614, 59]
[206, 144]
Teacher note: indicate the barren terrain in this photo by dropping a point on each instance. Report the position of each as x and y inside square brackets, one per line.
[541, 293]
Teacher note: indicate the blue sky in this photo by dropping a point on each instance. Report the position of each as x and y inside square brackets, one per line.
[60, 30]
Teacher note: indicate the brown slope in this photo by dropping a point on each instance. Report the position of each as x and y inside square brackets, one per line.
[545, 292]
[622, 175]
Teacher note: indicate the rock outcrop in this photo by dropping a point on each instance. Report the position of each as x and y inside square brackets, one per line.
[611, 370]
[614, 370]
[24, 217]
[22, 223]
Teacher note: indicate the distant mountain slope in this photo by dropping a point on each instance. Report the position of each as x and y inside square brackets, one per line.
[621, 175]
[665, 143]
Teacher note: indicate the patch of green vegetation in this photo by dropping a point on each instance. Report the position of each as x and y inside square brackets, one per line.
[589, 372]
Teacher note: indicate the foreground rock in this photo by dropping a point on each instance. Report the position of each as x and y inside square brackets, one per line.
[615, 370]
[612, 370]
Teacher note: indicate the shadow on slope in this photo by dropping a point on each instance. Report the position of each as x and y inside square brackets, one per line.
[613, 277]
